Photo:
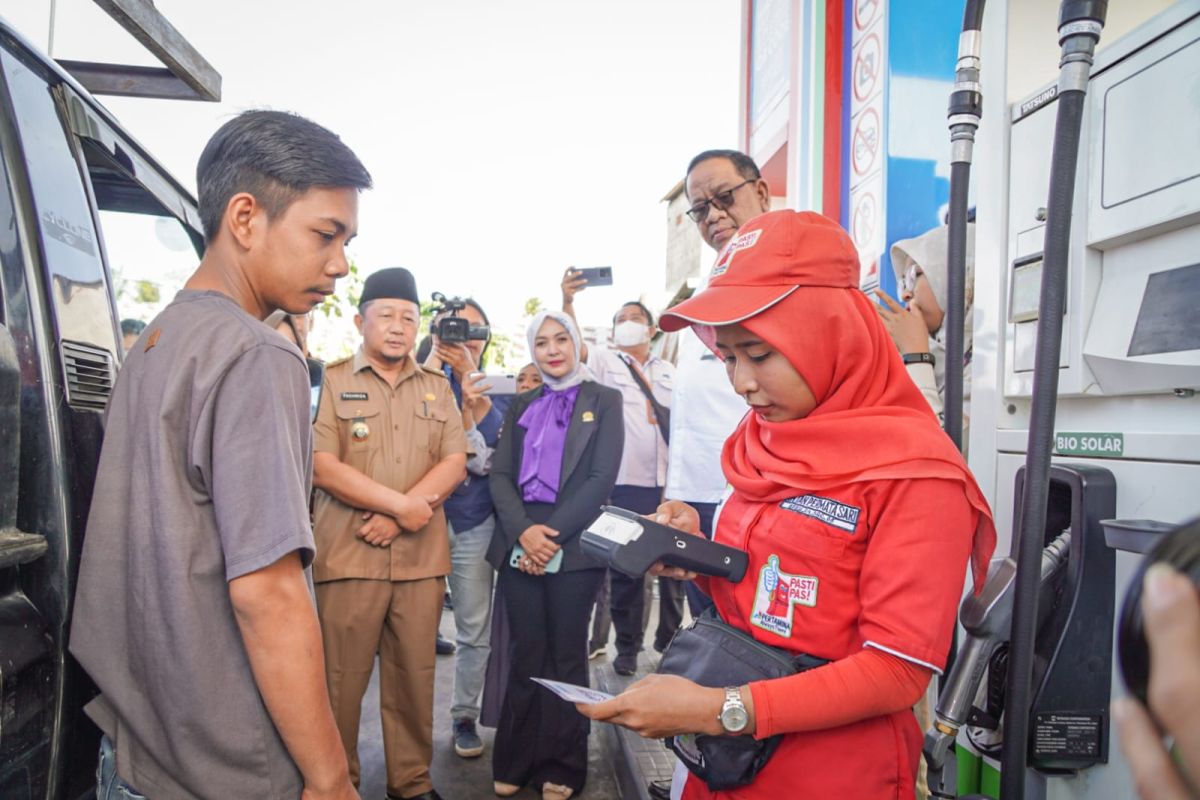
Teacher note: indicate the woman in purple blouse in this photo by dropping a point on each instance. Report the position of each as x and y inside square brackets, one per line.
[554, 466]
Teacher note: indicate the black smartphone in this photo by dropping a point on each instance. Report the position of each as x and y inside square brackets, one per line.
[596, 276]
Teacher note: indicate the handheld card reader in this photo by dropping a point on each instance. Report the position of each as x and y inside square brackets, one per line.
[630, 543]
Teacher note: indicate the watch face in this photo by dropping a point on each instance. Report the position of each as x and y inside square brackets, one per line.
[734, 718]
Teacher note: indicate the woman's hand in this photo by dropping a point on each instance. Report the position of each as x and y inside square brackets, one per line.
[679, 515]
[666, 705]
[906, 325]
[457, 356]
[474, 395]
[539, 545]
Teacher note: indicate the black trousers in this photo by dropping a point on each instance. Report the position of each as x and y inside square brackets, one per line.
[628, 598]
[540, 737]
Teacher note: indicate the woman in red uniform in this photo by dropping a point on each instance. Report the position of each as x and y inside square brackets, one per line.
[858, 514]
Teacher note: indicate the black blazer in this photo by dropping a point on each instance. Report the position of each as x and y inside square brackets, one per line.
[591, 459]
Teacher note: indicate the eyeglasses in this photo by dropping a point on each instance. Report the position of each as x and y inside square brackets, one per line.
[722, 200]
[909, 282]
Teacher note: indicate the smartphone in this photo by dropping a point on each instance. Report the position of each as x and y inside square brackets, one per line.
[502, 384]
[519, 552]
[596, 276]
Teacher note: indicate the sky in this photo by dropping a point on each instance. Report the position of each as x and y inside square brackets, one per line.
[507, 139]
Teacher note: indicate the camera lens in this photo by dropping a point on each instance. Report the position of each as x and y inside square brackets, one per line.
[1181, 550]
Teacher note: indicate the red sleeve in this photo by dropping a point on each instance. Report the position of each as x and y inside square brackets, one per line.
[869, 683]
[914, 570]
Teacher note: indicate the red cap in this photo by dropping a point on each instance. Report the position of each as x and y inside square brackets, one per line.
[770, 257]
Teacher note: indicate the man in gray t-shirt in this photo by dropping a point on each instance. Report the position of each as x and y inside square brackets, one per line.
[194, 611]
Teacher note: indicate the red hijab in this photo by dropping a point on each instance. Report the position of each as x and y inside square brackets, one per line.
[795, 286]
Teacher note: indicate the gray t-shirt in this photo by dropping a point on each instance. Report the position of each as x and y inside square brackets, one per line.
[204, 477]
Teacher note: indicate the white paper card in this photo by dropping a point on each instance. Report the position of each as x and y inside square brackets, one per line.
[616, 529]
[572, 693]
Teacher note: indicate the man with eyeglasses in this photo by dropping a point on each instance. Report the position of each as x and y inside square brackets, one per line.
[725, 190]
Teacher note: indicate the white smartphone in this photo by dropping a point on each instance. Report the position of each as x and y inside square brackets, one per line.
[502, 383]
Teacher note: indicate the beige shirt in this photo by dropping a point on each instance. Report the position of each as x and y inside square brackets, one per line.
[644, 460]
[393, 434]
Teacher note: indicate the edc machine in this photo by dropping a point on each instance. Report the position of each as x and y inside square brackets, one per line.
[631, 543]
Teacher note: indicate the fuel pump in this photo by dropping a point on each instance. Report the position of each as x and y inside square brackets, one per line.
[1049, 605]
[1072, 669]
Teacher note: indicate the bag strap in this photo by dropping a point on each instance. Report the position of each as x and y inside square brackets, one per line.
[662, 415]
[801, 662]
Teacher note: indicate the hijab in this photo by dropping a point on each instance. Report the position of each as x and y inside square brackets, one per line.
[870, 422]
[577, 375]
[548, 417]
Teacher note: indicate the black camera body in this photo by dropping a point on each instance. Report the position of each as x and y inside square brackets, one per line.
[453, 329]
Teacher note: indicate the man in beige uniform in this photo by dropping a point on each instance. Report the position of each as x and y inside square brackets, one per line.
[389, 449]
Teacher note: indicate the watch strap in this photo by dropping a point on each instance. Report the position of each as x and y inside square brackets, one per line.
[919, 358]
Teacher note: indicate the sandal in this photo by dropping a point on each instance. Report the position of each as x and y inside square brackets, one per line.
[556, 791]
[503, 789]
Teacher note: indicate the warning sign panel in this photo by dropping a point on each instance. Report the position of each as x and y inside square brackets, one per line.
[868, 66]
[867, 229]
[865, 142]
[867, 136]
[865, 13]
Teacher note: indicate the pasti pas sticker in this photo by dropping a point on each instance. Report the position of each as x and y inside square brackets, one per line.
[777, 593]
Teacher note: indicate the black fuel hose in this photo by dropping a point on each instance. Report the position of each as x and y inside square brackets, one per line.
[966, 109]
[1080, 23]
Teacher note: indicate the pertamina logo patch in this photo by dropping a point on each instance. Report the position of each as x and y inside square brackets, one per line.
[831, 512]
[746, 240]
[777, 593]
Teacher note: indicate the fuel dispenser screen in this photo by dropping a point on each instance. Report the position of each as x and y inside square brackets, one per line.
[1168, 319]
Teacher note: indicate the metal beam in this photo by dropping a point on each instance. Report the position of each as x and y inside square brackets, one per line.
[151, 28]
[123, 80]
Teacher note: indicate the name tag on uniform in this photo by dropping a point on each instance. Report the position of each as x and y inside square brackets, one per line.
[353, 395]
[831, 512]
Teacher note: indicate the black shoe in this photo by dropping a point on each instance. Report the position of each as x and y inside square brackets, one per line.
[445, 647]
[430, 795]
[467, 743]
[659, 789]
[625, 664]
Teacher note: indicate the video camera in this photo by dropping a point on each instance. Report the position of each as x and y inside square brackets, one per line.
[453, 329]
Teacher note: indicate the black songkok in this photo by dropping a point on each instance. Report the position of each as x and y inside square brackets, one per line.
[394, 283]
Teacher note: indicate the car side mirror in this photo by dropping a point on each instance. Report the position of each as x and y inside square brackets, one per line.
[316, 379]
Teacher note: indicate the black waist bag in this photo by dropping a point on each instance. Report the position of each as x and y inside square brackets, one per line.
[714, 654]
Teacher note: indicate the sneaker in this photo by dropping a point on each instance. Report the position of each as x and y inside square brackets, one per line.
[466, 741]
[625, 664]
[444, 646]
[597, 650]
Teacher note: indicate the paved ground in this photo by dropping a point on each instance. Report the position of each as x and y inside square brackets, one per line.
[471, 779]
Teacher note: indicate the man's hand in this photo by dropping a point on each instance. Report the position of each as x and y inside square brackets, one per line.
[538, 543]
[378, 529]
[573, 283]
[659, 706]
[906, 325]
[1171, 610]
[414, 512]
[457, 356]
[278, 623]
[344, 792]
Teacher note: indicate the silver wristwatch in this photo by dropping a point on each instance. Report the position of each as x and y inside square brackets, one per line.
[733, 716]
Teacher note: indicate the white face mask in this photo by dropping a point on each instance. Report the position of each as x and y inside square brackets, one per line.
[631, 333]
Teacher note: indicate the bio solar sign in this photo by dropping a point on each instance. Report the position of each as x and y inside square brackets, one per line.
[1086, 443]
